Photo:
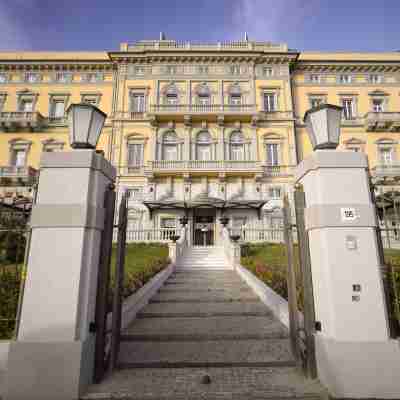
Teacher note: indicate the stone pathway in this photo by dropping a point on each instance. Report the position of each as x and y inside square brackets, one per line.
[206, 335]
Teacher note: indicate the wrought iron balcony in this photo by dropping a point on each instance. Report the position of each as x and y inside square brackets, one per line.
[198, 109]
[382, 121]
[198, 165]
[386, 170]
[278, 170]
[11, 175]
[14, 120]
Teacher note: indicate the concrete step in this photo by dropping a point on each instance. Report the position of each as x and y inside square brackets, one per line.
[211, 353]
[233, 295]
[191, 288]
[235, 383]
[225, 326]
[209, 309]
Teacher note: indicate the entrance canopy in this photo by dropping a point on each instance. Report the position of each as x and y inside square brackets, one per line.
[205, 202]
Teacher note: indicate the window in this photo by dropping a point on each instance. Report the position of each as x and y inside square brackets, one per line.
[236, 146]
[3, 78]
[314, 78]
[386, 155]
[269, 102]
[272, 150]
[316, 101]
[203, 146]
[138, 102]
[348, 109]
[203, 69]
[32, 77]
[274, 192]
[235, 69]
[167, 223]
[139, 70]
[135, 193]
[377, 105]
[57, 109]
[171, 95]
[344, 79]
[63, 77]
[135, 154]
[171, 69]
[18, 157]
[26, 105]
[92, 77]
[267, 71]
[170, 146]
[375, 78]
[235, 99]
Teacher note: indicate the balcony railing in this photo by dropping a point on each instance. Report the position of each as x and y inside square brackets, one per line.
[276, 115]
[202, 108]
[131, 169]
[382, 121]
[21, 119]
[278, 170]
[10, 174]
[389, 170]
[130, 115]
[195, 165]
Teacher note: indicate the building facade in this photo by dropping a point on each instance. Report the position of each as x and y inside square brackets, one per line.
[202, 130]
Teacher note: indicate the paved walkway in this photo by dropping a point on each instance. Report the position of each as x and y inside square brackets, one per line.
[206, 335]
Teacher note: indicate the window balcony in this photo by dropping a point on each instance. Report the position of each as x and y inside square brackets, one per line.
[130, 115]
[278, 170]
[382, 121]
[199, 165]
[201, 109]
[11, 175]
[12, 121]
[386, 170]
[275, 115]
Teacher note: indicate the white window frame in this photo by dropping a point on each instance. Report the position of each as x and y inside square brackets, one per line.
[93, 77]
[171, 69]
[237, 150]
[32, 77]
[235, 69]
[349, 113]
[26, 100]
[272, 157]
[203, 69]
[63, 77]
[18, 145]
[345, 79]
[139, 70]
[141, 105]
[375, 78]
[275, 192]
[382, 104]
[314, 78]
[269, 106]
[267, 71]
[319, 99]
[235, 99]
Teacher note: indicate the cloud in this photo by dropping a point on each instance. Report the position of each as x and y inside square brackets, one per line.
[13, 34]
[267, 20]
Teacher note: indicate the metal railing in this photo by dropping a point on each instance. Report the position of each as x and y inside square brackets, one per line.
[278, 170]
[392, 169]
[12, 171]
[276, 115]
[130, 115]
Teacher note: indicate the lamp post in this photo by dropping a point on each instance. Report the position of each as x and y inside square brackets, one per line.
[184, 220]
[323, 126]
[85, 124]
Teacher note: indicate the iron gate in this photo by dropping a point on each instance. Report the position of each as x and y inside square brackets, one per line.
[109, 289]
[299, 283]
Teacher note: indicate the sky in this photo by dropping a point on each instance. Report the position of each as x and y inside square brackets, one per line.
[328, 25]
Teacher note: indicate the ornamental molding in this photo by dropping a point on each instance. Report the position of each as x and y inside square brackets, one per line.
[40, 66]
[350, 67]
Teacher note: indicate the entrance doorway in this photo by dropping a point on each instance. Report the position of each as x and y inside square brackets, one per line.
[204, 227]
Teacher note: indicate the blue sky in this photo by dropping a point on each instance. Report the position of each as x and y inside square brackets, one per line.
[364, 25]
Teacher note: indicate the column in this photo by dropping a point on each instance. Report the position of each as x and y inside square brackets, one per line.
[53, 356]
[355, 356]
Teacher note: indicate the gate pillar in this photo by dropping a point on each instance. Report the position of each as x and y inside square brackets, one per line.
[53, 356]
[355, 356]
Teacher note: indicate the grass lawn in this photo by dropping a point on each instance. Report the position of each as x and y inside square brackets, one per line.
[268, 262]
[142, 262]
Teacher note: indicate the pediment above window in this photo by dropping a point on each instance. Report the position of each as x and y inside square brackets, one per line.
[378, 93]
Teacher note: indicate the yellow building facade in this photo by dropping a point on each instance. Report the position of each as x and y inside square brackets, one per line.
[203, 130]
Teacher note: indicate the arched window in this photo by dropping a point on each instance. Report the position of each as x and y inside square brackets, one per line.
[203, 146]
[203, 95]
[171, 95]
[170, 146]
[236, 146]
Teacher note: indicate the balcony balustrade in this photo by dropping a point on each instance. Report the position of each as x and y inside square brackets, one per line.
[164, 109]
[9, 175]
[14, 120]
[382, 121]
[386, 170]
[276, 115]
[196, 165]
[278, 170]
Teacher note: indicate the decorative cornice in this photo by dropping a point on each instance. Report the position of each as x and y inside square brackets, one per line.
[56, 66]
[350, 67]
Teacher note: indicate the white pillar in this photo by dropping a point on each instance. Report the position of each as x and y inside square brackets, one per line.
[355, 356]
[52, 357]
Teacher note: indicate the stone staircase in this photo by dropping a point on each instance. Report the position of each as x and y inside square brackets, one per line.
[203, 257]
[205, 335]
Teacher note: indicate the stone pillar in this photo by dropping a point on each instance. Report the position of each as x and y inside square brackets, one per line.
[355, 356]
[53, 356]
